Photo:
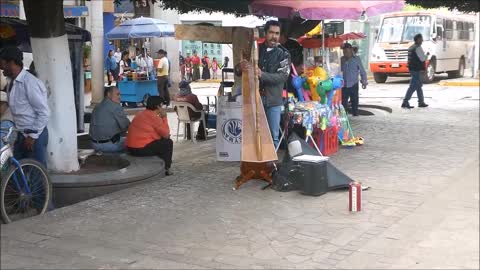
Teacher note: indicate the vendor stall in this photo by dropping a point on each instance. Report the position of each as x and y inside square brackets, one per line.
[137, 84]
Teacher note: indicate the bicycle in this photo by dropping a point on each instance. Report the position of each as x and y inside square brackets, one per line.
[26, 189]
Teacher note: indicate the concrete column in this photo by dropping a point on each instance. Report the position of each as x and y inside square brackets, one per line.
[21, 10]
[96, 17]
[477, 46]
[170, 45]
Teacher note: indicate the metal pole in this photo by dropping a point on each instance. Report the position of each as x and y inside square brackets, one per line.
[323, 43]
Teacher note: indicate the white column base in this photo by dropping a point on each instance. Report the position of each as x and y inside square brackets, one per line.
[52, 62]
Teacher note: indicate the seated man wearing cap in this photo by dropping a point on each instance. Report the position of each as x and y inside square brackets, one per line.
[6, 119]
[27, 98]
[351, 68]
[186, 95]
[109, 123]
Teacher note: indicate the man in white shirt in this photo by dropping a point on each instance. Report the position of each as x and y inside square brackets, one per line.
[27, 97]
[162, 76]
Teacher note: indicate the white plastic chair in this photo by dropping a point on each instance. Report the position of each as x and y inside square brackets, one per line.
[184, 117]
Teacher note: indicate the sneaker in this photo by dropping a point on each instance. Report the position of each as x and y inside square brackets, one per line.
[168, 172]
[406, 105]
[422, 105]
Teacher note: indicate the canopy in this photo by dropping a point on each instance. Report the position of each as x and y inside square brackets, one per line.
[142, 27]
[321, 10]
[15, 31]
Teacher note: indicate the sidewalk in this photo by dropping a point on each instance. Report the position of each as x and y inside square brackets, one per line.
[460, 82]
[422, 210]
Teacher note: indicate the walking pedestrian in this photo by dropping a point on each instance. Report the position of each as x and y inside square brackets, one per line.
[181, 62]
[162, 77]
[352, 67]
[416, 66]
[205, 66]
[196, 66]
[214, 68]
[111, 67]
[27, 98]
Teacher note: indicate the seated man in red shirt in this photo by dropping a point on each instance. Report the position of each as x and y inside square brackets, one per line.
[186, 95]
[149, 133]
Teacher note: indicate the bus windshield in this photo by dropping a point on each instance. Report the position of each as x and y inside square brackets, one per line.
[403, 29]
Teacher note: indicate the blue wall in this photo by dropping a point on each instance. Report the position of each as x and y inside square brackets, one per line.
[108, 24]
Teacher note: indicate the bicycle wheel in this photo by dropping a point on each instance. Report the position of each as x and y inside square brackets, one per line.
[16, 203]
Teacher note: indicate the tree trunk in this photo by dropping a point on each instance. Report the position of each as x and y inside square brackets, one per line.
[52, 62]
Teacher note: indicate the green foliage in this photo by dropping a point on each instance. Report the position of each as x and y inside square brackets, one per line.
[460, 5]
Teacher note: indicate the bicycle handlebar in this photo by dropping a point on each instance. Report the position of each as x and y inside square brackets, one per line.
[12, 129]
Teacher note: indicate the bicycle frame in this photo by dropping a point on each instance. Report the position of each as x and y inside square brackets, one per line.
[14, 162]
[24, 179]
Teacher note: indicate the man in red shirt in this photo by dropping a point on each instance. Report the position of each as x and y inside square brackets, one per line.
[188, 67]
[186, 95]
[196, 66]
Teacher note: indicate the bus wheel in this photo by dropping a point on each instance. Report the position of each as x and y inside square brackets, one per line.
[380, 77]
[429, 73]
[460, 72]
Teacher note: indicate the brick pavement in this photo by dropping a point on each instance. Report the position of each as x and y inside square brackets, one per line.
[422, 210]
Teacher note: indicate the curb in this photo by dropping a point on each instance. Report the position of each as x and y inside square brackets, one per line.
[459, 83]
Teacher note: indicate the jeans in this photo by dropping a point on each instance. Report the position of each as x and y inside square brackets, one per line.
[162, 85]
[110, 147]
[162, 148]
[415, 85]
[39, 152]
[351, 92]
[273, 118]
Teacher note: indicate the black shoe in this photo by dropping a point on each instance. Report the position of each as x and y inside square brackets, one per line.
[406, 105]
[355, 114]
[422, 105]
[168, 172]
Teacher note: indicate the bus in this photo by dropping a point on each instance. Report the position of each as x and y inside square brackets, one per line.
[448, 38]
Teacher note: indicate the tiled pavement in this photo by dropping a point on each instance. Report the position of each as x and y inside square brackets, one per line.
[421, 212]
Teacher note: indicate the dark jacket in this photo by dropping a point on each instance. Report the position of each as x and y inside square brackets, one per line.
[414, 62]
[275, 66]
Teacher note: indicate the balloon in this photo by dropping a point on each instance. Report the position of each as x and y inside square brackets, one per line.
[331, 94]
[307, 95]
[305, 85]
[320, 73]
[337, 82]
[327, 85]
[321, 93]
[297, 83]
[313, 82]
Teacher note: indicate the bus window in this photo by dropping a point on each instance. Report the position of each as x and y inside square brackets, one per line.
[417, 25]
[391, 30]
[439, 33]
[448, 29]
[471, 31]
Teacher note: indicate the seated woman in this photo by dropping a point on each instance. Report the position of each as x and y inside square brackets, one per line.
[149, 134]
[186, 95]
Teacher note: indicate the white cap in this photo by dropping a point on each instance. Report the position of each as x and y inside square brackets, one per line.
[3, 96]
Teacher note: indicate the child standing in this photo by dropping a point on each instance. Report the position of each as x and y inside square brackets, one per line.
[214, 68]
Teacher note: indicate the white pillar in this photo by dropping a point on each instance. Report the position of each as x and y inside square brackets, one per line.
[170, 45]
[96, 58]
[21, 10]
[477, 46]
[56, 71]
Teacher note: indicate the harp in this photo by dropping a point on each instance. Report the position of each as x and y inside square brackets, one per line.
[258, 151]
